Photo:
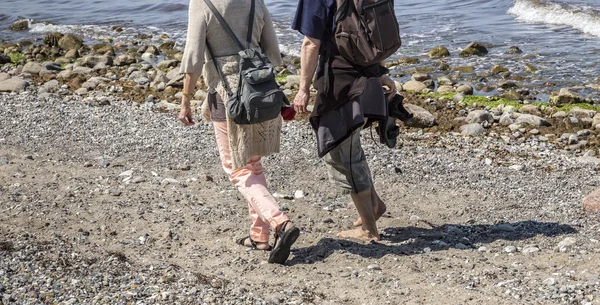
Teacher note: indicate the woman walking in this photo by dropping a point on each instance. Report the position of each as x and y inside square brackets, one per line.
[240, 146]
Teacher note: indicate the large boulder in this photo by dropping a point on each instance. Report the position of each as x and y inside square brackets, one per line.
[406, 60]
[32, 67]
[4, 76]
[473, 49]
[82, 71]
[565, 96]
[506, 119]
[596, 120]
[497, 69]
[51, 86]
[19, 25]
[420, 77]
[4, 59]
[512, 95]
[445, 89]
[421, 117]
[465, 89]
[124, 60]
[582, 113]
[473, 129]
[413, 85]
[479, 116]
[93, 61]
[70, 42]
[169, 45]
[530, 109]
[165, 64]
[513, 50]
[439, 51]
[444, 80]
[14, 84]
[532, 120]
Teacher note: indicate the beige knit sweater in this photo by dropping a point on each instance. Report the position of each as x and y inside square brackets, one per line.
[245, 141]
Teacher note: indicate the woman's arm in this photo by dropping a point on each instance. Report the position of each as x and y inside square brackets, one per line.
[189, 87]
[193, 58]
[195, 44]
[268, 40]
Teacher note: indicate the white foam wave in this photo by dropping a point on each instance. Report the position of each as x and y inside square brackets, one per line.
[582, 19]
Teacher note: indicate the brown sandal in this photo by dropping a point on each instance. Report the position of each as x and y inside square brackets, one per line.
[253, 244]
[283, 243]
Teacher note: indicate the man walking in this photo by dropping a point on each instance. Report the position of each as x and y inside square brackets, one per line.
[346, 96]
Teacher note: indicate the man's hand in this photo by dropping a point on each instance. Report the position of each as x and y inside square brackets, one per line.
[389, 82]
[301, 101]
[185, 113]
[309, 57]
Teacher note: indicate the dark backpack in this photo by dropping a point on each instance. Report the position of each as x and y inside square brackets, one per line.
[367, 31]
[258, 98]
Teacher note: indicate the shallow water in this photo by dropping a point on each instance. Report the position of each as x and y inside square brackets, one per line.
[563, 37]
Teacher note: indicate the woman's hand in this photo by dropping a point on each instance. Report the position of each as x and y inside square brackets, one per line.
[185, 112]
[387, 81]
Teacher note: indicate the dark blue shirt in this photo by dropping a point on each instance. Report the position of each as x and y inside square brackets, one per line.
[314, 18]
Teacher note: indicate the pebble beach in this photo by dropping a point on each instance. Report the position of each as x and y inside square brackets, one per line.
[105, 198]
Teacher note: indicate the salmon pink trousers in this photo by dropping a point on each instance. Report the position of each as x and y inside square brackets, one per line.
[251, 182]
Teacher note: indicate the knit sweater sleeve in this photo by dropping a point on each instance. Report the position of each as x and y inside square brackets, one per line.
[268, 39]
[193, 55]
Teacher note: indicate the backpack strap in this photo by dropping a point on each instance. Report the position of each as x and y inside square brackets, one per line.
[224, 23]
[250, 24]
[214, 59]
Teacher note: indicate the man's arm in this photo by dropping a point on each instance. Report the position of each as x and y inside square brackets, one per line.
[309, 57]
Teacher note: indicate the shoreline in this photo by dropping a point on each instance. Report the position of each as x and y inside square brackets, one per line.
[450, 98]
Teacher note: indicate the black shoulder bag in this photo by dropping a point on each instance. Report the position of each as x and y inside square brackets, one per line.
[258, 97]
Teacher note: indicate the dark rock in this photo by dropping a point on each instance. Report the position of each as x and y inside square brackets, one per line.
[513, 50]
[52, 39]
[473, 49]
[421, 117]
[4, 59]
[498, 69]
[70, 42]
[408, 60]
[512, 95]
[19, 25]
[439, 51]
[565, 97]
[124, 60]
[169, 45]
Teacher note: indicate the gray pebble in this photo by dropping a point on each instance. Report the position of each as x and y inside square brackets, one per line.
[461, 246]
[327, 220]
[550, 281]
[373, 267]
[138, 179]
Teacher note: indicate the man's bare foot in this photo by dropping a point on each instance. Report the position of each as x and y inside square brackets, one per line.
[358, 234]
[379, 209]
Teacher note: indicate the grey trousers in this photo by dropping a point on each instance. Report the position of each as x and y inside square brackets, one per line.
[347, 165]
